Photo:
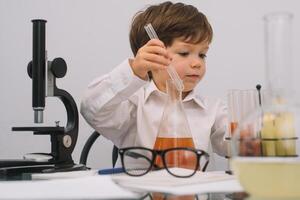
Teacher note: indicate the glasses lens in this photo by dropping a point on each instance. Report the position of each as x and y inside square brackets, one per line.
[181, 158]
[137, 161]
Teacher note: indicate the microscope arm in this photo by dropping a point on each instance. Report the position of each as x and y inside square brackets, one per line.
[63, 139]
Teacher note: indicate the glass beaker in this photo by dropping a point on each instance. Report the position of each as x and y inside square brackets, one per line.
[240, 104]
[174, 131]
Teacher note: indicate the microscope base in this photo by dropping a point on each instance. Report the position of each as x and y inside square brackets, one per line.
[22, 170]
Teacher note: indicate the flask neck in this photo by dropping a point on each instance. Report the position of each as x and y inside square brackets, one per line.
[174, 95]
[174, 122]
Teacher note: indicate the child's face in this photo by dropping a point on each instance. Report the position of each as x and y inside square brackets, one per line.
[189, 61]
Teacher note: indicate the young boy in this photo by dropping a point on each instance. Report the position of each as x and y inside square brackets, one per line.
[126, 105]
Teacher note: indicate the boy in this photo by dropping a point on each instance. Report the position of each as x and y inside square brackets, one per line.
[126, 105]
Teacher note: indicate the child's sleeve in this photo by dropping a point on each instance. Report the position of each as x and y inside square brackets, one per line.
[219, 130]
[109, 103]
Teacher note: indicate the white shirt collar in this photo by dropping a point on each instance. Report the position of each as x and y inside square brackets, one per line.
[151, 88]
[196, 98]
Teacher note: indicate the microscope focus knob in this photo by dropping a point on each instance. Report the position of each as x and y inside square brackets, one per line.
[58, 67]
[29, 69]
[67, 141]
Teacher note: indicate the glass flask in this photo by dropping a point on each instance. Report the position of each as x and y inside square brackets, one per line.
[174, 131]
[265, 146]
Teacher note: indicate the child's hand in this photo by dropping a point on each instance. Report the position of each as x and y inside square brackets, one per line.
[152, 56]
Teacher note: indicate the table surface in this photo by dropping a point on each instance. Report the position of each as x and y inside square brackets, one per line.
[161, 196]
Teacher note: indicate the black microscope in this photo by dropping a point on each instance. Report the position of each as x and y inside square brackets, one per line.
[63, 139]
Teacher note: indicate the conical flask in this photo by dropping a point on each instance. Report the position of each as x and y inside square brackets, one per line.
[174, 131]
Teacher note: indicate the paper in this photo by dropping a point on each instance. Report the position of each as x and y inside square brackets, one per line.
[91, 187]
[162, 181]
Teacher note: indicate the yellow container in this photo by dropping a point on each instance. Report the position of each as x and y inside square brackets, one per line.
[268, 177]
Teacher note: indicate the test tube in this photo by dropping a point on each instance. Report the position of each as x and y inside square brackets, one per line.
[170, 69]
[234, 109]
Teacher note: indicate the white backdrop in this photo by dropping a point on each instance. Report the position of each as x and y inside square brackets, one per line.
[92, 36]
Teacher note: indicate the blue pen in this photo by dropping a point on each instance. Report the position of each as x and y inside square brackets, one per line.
[111, 171]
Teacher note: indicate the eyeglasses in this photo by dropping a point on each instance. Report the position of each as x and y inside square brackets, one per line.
[138, 161]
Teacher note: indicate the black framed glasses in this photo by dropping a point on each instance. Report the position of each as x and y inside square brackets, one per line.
[138, 161]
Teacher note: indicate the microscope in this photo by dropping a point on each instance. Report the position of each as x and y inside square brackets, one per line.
[63, 139]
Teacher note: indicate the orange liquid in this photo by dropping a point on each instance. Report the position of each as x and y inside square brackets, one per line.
[249, 144]
[233, 126]
[176, 158]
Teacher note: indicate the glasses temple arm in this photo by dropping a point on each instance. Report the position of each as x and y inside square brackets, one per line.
[205, 166]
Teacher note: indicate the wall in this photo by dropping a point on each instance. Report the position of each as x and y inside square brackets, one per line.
[92, 36]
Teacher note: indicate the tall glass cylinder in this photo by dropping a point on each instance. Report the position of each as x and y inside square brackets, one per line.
[278, 47]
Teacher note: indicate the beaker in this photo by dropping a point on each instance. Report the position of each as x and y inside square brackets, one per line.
[240, 104]
[174, 131]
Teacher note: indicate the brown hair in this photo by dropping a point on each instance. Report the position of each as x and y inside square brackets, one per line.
[170, 21]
